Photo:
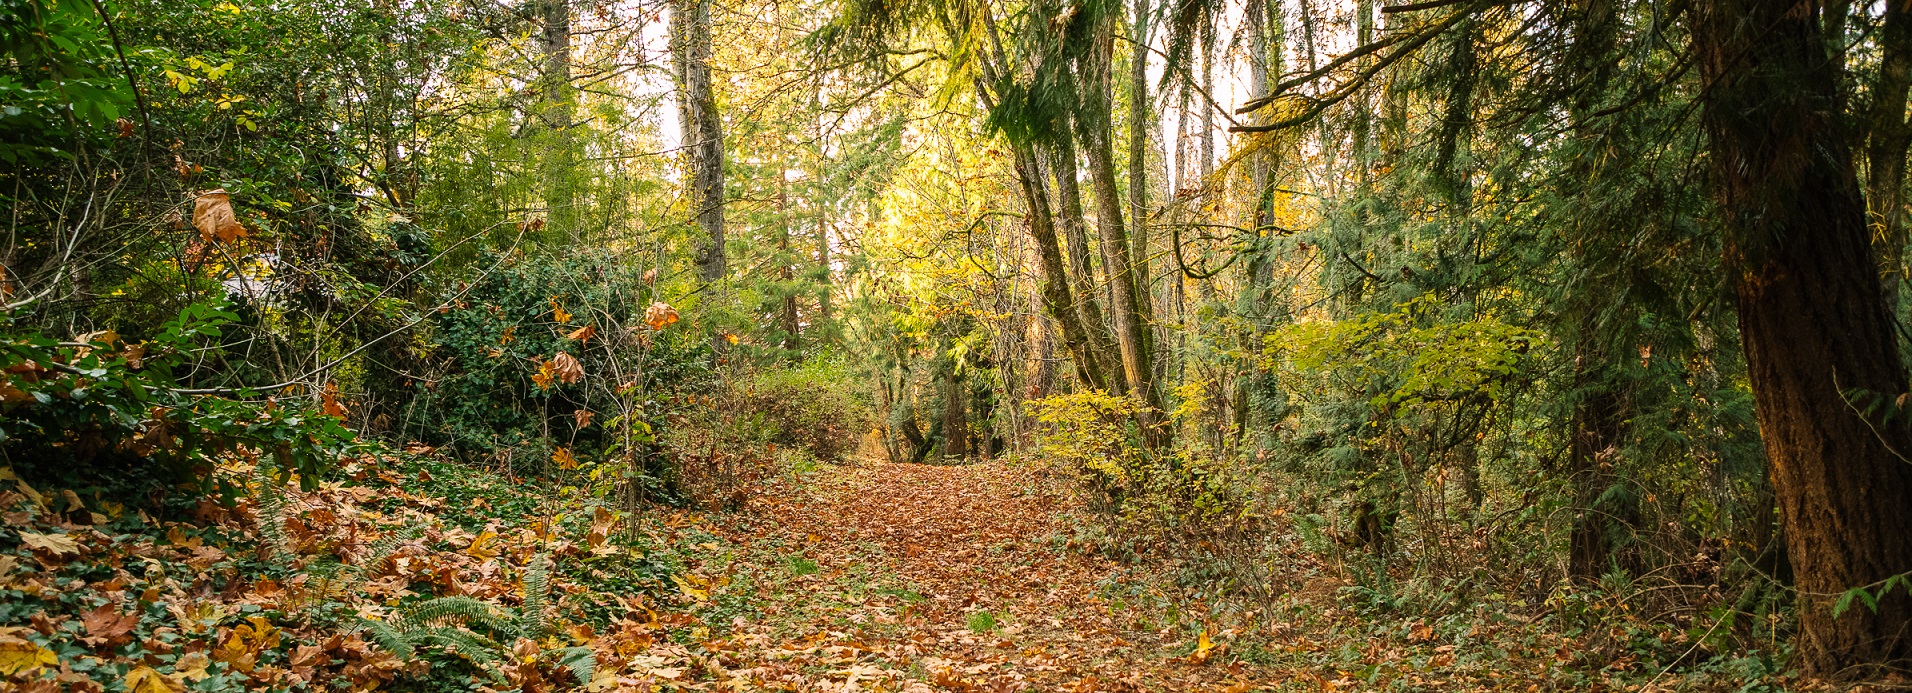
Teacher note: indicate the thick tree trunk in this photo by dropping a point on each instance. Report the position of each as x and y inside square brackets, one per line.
[1094, 126]
[700, 129]
[1056, 296]
[558, 113]
[1101, 344]
[1812, 320]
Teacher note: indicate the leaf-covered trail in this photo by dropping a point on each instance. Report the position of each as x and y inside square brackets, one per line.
[882, 576]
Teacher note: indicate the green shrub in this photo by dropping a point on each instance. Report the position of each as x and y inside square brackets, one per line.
[812, 407]
[102, 412]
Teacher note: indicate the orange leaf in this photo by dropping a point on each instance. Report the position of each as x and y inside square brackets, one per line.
[583, 334]
[558, 314]
[565, 460]
[660, 315]
[329, 401]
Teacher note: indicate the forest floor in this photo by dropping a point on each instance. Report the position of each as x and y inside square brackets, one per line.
[861, 576]
[958, 577]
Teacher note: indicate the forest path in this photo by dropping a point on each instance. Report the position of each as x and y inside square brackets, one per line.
[879, 576]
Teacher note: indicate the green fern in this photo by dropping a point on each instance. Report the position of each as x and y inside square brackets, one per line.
[457, 611]
[472, 628]
[537, 588]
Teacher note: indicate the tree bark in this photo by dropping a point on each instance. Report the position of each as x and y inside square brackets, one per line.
[1101, 345]
[1812, 320]
[700, 129]
[1094, 125]
[1889, 135]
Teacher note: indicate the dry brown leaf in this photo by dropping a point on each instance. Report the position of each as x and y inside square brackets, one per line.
[212, 215]
[54, 544]
[329, 401]
[583, 334]
[567, 368]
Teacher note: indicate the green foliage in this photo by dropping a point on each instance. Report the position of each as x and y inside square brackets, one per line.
[58, 82]
[100, 407]
[812, 407]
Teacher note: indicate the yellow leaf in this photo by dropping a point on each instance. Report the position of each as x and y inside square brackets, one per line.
[564, 459]
[18, 655]
[148, 680]
[56, 544]
[558, 314]
[482, 546]
[690, 587]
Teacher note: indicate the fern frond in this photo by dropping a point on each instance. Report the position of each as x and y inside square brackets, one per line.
[580, 660]
[453, 611]
[537, 588]
[385, 635]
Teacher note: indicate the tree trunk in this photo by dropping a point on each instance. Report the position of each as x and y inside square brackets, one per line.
[1093, 124]
[558, 112]
[1886, 147]
[1056, 296]
[1101, 347]
[701, 131]
[1812, 320]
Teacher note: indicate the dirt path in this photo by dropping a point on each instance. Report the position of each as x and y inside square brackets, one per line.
[912, 577]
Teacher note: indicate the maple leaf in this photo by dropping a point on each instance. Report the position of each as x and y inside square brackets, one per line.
[17, 655]
[583, 334]
[483, 546]
[54, 544]
[558, 314]
[564, 459]
[192, 666]
[106, 624]
[146, 679]
[329, 401]
[567, 367]
[660, 315]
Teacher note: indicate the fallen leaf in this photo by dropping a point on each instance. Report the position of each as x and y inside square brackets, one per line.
[17, 655]
[55, 544]
[148, 680]
[482, 547]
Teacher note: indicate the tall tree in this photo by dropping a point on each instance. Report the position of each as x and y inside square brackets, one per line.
[700, 129]
[1812, 319]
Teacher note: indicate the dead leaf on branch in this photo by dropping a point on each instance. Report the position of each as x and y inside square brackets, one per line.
[660, 315]
[329, 401]
[212, 215]
[564, 459]
[583, 334]
[567, 368]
